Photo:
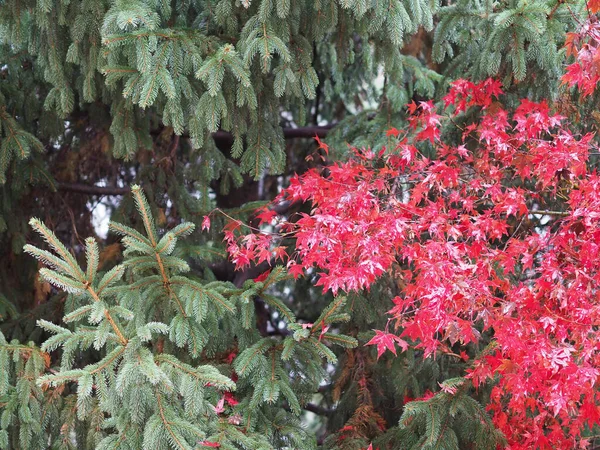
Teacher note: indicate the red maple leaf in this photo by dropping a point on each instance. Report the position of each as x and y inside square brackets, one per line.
[266, 216]
[295, 269]
[453, 221]
[387, 341]
[392, 132]
[230, 399]
[412, 107]
[322, 145]
[280, 253]
[594, 6]
[262, 277]
[230, 357]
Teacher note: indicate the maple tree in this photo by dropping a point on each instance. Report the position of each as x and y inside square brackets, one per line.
[451, 221]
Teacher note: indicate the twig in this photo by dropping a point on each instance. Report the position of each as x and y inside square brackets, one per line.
[546, 212]
[558, 3]
[318, 410]
[174, 146]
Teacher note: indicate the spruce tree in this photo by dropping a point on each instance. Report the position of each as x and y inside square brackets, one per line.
[178, 120]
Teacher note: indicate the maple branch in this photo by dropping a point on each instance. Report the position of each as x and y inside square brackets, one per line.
[546, 212]
[226, 137]
[307, 132]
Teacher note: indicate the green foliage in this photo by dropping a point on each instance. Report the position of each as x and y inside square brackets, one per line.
[26, 408]
[449, 420]
[151, 327]
[510, 38]
[16, 143]
[178, 60]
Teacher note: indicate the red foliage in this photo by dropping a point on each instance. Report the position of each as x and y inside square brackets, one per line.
[593, 6]
[585, 46]
[209, 444]
[460, 225]
[387, 341]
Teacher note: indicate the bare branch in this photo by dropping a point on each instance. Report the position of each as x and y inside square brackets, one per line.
[223, 136]
[288, 133]
[549, 213]
[319, 410]
[93, 190]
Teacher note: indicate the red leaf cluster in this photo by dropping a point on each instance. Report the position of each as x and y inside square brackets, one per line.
[584, 45]
[460, 226]
[387, 341]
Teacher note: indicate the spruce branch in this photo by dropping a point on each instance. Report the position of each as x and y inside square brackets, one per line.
[74, 279]
[109, 317]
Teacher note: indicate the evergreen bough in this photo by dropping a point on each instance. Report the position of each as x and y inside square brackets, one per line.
[160, 339]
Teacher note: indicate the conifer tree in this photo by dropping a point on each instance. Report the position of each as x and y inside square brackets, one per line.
[181, 119]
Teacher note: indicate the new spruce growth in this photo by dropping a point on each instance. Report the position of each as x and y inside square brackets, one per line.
[162, 348]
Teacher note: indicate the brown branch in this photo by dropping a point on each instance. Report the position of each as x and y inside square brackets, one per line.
[110, 319]
[306, 132]
[549, 213]
[318, 410]
[87, 189]
[558, 3]
[288, 133]
[223, 136]
[174, 146]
